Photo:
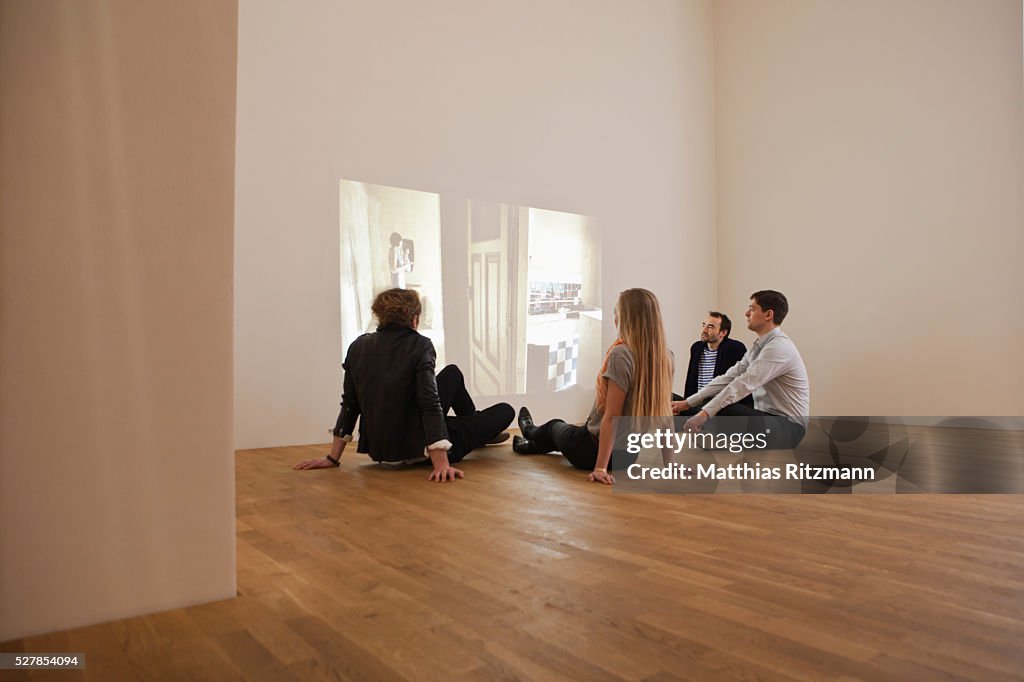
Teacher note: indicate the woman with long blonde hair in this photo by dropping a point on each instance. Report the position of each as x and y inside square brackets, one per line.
[635, 380]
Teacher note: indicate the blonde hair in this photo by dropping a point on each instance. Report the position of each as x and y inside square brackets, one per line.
[641, 330]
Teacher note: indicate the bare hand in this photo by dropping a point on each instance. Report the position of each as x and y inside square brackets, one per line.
[695, 422]
[322, 463]
[679, 406]
[444, 474]
[601, 477]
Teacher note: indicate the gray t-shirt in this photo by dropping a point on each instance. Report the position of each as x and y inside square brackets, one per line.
[620, 370]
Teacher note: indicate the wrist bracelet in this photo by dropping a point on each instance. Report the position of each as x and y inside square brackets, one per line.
[602, 470]
[335, 462]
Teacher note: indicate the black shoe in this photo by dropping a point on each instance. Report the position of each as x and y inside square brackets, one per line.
[521, 446]
[525, 446]
[525, 421]
[500, 438]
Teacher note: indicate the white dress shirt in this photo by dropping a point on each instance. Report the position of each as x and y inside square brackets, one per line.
[773, 371]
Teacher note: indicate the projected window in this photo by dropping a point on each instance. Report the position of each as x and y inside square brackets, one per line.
[523, 313]
[534, 308]
[390, 237]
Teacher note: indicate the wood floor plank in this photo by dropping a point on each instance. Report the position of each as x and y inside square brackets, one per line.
[525, 571]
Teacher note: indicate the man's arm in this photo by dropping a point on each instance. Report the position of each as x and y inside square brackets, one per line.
[350, 408]
[716, 385]
[426, 396]
[331, 460]
[734, 353]
[772, 362]
[433, 418]
[343, 428]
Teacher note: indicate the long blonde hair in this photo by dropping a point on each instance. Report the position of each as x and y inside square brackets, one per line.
[641, 330]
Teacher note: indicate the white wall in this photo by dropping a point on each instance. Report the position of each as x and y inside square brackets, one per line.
[116, 194]
[603, 109]
[870, 166]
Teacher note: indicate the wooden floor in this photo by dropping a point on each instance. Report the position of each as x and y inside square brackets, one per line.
[524, 570]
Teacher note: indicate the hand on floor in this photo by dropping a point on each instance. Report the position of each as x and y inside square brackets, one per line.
[322, 463]
[443, 474]
[601, 477]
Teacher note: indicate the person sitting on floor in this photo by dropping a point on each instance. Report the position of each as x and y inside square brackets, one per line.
[636, 379]
[772, 370]
[403, 406]
[712, 356]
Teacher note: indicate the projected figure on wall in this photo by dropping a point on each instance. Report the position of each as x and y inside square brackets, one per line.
[400, 260]
[379, 229]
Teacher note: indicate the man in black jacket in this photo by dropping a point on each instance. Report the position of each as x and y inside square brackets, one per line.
[713, 355]
[402, 406]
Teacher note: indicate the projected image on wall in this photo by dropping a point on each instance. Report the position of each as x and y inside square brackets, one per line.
[390, 237]
[535, 308]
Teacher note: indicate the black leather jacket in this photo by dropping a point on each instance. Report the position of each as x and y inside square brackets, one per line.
[390, 384]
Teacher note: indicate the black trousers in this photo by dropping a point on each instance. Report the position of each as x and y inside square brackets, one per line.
[576, 444]
[469, 428]
[782, 433]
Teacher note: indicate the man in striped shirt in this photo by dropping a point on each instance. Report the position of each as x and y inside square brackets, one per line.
[712, 356]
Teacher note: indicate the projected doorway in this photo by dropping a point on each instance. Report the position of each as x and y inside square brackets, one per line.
[534, 306]
[390, 237]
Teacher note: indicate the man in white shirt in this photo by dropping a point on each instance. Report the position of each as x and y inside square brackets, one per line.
[772, 370]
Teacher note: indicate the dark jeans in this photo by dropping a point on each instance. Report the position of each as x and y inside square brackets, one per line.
[576, 444]
[468, 429]
[782, 433]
